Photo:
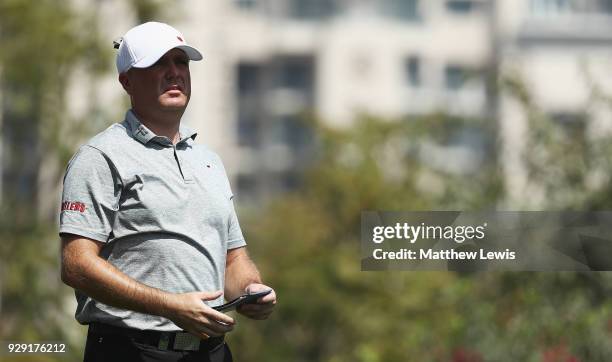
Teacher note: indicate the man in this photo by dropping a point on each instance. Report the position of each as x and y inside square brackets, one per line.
[150, 238]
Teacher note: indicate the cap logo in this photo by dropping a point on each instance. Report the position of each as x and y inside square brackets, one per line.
[181, 39]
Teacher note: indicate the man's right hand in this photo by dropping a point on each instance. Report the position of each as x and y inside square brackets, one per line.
[188, 311]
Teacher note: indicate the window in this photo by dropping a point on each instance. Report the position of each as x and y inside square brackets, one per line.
[290, 181]
[606, 6]
[311, 9]
[401, 9]
[248, 131]
[271, 97]
[295, 132]
[550, 6]
[248, 78]
[455, 77]
[460, 6]
[248, 102]
[246, 185]
[295, 74]
[413, 71]
[246, 4]
[556, 7]
[573, 123]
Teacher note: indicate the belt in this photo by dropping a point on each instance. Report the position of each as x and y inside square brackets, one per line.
[177, 341]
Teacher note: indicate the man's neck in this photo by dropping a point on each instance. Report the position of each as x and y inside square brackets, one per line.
[167, 125]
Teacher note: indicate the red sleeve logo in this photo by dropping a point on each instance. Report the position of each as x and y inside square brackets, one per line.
[73, 206]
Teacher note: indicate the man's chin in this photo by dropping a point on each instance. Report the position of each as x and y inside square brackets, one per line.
[174, 106]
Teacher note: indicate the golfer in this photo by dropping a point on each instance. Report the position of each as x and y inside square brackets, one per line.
[150, 238]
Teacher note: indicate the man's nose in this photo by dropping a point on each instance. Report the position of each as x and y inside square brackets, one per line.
[172, 70]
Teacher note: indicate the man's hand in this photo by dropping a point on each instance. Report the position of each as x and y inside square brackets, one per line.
[264, 306]
[189, 312]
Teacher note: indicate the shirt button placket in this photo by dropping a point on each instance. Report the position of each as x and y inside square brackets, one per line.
[185, 171]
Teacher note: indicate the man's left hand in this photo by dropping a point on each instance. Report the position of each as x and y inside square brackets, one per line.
[264, 306]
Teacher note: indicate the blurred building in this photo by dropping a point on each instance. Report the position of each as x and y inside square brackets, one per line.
[267, 63]
[562, 50]
[339, 59]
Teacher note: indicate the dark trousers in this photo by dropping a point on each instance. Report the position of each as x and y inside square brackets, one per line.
[104, 347]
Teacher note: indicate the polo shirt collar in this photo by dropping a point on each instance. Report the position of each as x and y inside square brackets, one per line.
[143, 134]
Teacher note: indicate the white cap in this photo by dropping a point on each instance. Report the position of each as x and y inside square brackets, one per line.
[144, 44]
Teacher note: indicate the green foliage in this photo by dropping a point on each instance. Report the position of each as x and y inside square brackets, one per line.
[42, 43]
[147, 10]
[307, 245]
[567, 159]
[45, 44]
[34, 300]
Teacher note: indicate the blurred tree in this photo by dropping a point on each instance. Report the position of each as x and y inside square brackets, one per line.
[42, 43]
[307, 245]
[147, 10]
[45, 45]
[566, 155]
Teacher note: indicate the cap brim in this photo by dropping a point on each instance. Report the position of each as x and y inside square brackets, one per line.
[191, 52]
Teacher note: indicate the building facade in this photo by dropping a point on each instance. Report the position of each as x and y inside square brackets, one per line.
[268, 64]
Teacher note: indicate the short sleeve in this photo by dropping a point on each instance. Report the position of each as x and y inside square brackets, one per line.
[90, 198]
[235, 237]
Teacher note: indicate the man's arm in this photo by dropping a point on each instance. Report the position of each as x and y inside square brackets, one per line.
[242, 276]
[82, 268]
[240, 272]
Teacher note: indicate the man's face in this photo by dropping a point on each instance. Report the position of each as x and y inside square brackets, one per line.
[164, 86]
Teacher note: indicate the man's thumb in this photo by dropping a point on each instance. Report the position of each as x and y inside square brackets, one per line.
[211, 295]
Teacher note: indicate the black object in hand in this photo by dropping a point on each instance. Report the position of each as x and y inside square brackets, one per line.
[243, 299]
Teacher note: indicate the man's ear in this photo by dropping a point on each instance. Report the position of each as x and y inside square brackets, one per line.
[125, 82]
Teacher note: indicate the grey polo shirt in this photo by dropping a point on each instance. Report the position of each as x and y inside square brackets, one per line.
[164, 211]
